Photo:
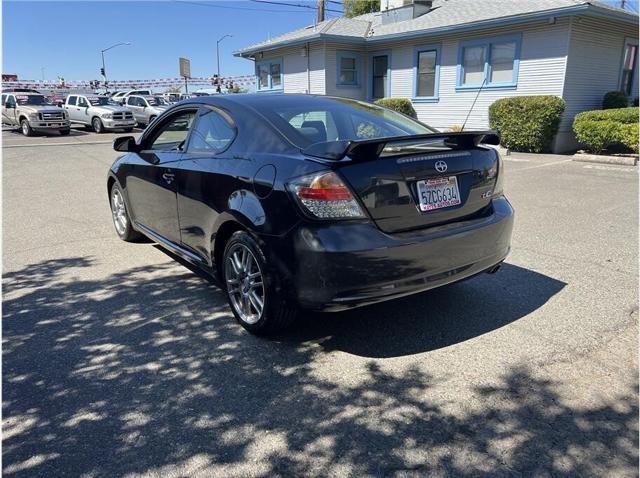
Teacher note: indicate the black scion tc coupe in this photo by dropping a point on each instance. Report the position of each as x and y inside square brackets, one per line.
[308, 202]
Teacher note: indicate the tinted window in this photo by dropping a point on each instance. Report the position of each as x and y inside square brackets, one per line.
[99, 100]
[32, 100]
[4, 98]
[132, 101]
[82, 101]
[306, 122]
[72, 100]
[212, 133]
[171, 135]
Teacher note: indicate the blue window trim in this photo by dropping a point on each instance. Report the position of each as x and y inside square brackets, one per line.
[340, 54]
[628, 41]
[370, 73]
[436, 87]
[269, 62]
[486, 42]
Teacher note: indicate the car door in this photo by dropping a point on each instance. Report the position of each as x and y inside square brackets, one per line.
[151, 181]
[204, 186]
[9, 107]
[133, 103]
[82, 110]
[70, 106]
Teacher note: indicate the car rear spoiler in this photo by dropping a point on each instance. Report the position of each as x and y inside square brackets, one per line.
[371, 149]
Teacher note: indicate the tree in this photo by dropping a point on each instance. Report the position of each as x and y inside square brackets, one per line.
[353, 8]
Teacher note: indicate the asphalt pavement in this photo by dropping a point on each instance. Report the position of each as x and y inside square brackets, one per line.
[119, 361]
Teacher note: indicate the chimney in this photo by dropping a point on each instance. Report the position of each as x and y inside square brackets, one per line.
[402, 10]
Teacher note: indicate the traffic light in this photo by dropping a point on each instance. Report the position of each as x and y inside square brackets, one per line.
[215, 81]
[102, 71]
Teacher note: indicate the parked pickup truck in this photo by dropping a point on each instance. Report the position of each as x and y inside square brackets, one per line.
[32, 112]
[146, 108]
[98, 113]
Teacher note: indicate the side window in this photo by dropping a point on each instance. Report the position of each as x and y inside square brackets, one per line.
[11, 100]
[4, 99]
[131, 101]
[172, 134]
[72, 100]
[213, 133]
[82, 101]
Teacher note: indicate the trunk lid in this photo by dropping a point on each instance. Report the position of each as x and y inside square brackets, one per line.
[390, 175]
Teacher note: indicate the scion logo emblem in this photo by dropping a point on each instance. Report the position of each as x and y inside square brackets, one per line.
[441, 166]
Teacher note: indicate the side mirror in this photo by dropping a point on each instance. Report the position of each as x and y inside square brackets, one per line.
[125, 144]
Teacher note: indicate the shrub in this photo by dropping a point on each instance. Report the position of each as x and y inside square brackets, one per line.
[619, 115]
[629, 136]
[402, 105]
[527, 123]
[615, 99]
[597, 130]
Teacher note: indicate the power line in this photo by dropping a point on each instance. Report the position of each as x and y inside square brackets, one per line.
[312, 7]
[215, 5]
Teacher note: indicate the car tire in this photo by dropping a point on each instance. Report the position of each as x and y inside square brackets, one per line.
[96, 123]
[252, 290]
[65, 132]
[25, 127]
[120, 215]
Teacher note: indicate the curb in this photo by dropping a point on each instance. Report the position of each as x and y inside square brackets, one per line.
[596, 158]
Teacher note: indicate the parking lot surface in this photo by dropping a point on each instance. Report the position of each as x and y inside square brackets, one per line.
[119, 361]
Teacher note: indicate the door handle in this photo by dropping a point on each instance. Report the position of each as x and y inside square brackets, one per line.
[169, 177]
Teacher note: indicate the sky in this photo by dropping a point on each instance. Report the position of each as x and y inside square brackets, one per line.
[65, 38]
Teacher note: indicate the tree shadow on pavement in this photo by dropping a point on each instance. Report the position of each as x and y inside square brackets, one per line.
[145, 372]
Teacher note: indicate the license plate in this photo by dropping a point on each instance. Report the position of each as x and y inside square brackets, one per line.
[436, 193]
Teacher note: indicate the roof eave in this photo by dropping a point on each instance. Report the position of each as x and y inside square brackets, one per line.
[585, 9]
[247, 52]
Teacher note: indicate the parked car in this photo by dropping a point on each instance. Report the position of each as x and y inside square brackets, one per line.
[296, 201]
[32, 112]
[146, 108]
[121, 96]
[99, 113]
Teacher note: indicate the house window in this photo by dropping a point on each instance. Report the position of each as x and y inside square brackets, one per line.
[426, 72]
[269, 75]
[492, 62]
[629, 67]
[348, 68]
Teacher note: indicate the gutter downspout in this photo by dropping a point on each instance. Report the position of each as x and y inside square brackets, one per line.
[308, 68]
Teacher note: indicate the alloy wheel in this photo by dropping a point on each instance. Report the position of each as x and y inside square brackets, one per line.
[245, 285]
[119, 212]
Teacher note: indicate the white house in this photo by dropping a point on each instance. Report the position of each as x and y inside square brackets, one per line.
[439, 54]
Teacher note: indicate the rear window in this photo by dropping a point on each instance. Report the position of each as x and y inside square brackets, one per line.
[319, 120]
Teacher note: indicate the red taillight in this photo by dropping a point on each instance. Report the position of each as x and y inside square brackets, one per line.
[326, 196]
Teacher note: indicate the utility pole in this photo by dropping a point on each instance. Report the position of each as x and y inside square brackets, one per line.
[320, 11]
[218, 51]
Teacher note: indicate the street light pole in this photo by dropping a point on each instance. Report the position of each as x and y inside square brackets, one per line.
[218, 51]
[104, 70]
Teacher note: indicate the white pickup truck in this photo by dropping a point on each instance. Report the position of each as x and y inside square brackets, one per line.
[99, 113]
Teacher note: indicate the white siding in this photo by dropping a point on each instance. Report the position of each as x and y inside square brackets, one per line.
[542, 66]
[302, 74]
[594, 66]
[360, 92]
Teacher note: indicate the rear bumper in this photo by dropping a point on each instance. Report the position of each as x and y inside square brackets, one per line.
[340, 266]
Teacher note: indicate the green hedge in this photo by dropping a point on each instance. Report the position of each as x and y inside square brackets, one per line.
[527, 123]
[615, 99]
[402, 105]
[597, 130]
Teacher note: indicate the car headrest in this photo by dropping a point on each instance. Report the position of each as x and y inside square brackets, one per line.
[314, 130]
